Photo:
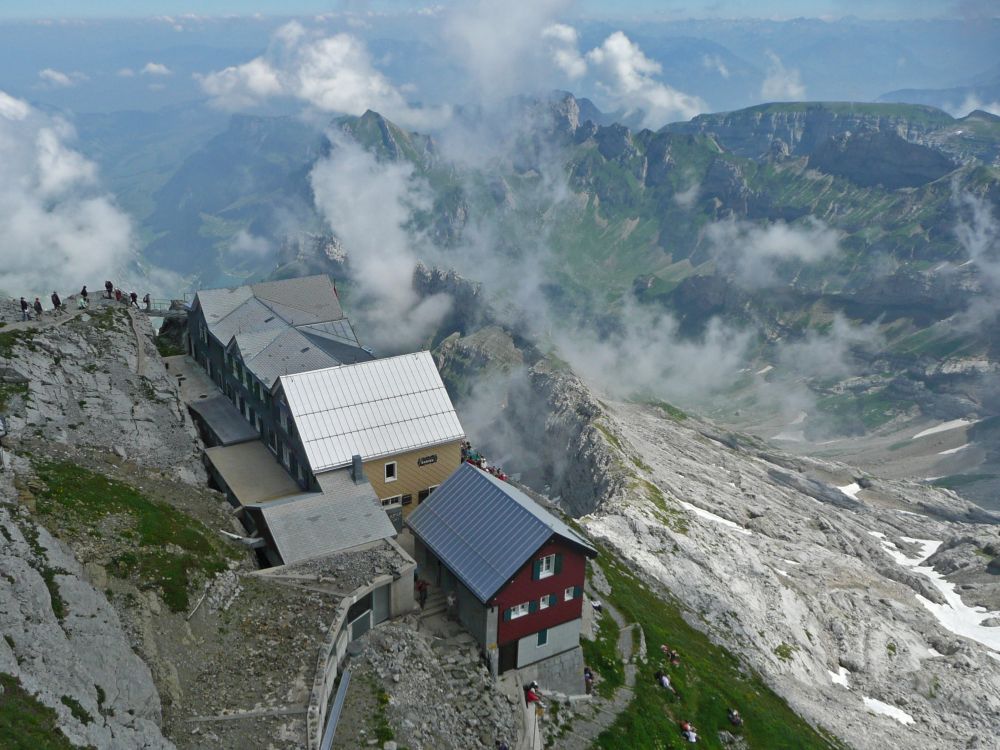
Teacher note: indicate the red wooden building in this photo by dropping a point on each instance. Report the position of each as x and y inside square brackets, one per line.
[517, 571]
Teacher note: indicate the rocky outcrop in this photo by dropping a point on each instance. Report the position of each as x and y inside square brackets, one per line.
[880, 158]
[802, 127]
[65, 643]
[98, 381]
[809, 582]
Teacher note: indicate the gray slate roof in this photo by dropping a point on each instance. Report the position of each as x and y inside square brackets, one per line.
[484, 529]
[224, 420]
[283, 327]
[315, 524]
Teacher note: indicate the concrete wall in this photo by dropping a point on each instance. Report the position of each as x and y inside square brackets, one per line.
[561, 673]
[560, 638]
[411, 478]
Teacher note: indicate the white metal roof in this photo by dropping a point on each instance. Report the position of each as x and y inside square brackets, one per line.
[373, 409]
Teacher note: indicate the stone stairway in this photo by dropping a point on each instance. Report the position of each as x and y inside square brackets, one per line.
[436, 606]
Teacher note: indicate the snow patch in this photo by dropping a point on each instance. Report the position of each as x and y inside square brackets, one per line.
[851, 490]
[933, 652]
[950, 451]
[839, 677]
[790, 562]
[944, 427]
[784, 573]
[878, 707]
[954, 615]
[765, 370]
[712, 517]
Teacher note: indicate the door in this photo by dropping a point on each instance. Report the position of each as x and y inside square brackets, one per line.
[508, 656]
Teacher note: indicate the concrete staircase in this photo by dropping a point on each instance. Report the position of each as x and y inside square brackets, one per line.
[436, 606]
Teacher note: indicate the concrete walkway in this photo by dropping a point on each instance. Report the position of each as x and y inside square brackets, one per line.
[594, 716]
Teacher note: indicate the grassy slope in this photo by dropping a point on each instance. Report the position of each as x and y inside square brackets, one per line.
[25, 723]
[161, 546]
[709, 680]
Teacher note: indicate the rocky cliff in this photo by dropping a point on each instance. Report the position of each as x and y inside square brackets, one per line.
[868, 604]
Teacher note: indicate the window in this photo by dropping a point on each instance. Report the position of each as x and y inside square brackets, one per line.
[391, 502]
[519, 610]
[283, 419]
[390, 471]
[422, 495]
[543, 637]
[431, 489]
[547, 566]
[568, 594]
[546, 601]
[407, 499]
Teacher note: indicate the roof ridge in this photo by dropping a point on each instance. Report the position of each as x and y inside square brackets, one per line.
[369, 401]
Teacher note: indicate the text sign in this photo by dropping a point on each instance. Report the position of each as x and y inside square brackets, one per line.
[425, 460]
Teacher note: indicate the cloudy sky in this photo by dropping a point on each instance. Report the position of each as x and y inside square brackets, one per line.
[888, 9]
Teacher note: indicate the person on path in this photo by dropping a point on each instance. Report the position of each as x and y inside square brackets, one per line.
[56, 302]
[81, 303]
[108, 286]
[134, 298]
[588, 680]
[25, 315]
[84, 296]
[38, 308]
[146, 301]
[118, 295]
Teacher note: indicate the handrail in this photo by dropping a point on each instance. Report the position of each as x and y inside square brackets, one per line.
[334, 715]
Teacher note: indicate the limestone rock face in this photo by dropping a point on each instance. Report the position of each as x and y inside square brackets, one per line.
[80, 654]
[880, 158]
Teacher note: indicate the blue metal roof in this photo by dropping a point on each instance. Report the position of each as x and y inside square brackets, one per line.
[484, 529]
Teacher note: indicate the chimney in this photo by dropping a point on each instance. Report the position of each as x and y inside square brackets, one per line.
[357, 469]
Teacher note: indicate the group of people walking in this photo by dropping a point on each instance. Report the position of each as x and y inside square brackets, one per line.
[35, 309]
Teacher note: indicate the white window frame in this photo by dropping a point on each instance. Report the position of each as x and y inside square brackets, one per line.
[519, 610]
[395, 471]
[569, 593]
[546, 601]
[392, 502]
[547, 567]
[430, 490]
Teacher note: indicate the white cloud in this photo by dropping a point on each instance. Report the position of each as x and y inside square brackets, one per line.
[781, 83]
[155, 69]
[125, 73]
[498, 43]
[331, 74]
[248, 245]
[714, 62]
[972, 103]
[57, 230]
[625, 74]
[59, 79]
[368, 206]
[751, 252]
[564, 48]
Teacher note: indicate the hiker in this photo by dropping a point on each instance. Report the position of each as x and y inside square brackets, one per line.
[38, 308]
[734, 718]
[588, 680]
[134, 298]
[146, 301]
[25, 315]
[674, 657]
[664, 681]
[118, 295]
[81, 303]
[422, 592]
[689, 732]
[84, 296]
[108, 287]
[56, 302]
[598, 607]
[532, 695]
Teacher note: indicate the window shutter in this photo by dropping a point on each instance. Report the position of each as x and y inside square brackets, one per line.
[558, 565]
[536, 570]
[577, 592]
[506, 615]
[533, 605]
